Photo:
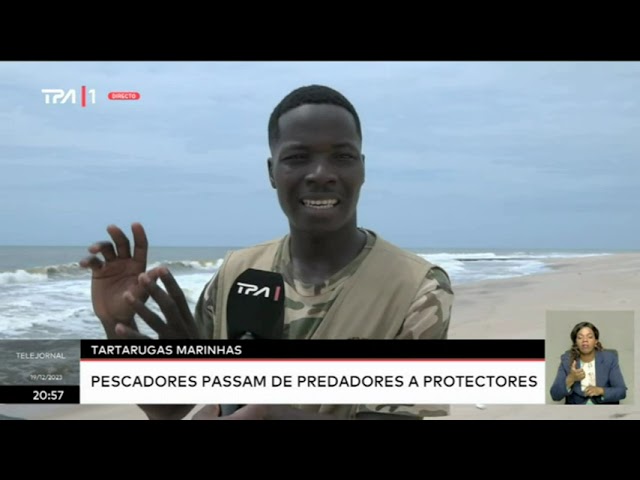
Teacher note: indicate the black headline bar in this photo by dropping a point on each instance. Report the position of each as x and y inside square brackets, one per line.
[63, 394]
[312, 349]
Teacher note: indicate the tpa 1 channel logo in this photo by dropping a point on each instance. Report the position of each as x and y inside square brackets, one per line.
[85, 96]
[59, 96]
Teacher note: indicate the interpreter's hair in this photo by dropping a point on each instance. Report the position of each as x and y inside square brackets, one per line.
[575, 351]
[310, 94]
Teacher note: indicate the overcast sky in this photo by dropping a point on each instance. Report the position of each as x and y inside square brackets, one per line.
[459, 155]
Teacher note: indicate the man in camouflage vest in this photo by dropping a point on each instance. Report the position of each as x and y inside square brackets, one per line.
[342, 281]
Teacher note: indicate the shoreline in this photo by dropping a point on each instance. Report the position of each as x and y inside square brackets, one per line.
[489, 309]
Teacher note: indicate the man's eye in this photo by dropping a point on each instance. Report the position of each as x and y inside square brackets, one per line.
[295, 156]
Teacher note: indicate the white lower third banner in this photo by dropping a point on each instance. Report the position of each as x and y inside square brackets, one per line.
[321, 381]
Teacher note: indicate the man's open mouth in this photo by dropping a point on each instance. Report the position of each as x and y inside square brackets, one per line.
[320, 204]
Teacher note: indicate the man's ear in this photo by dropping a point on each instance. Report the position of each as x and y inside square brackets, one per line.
[270, 171]
[364, 170]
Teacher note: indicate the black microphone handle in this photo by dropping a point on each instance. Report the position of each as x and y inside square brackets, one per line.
[229, 409]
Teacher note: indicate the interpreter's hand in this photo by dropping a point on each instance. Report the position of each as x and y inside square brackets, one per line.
[178, 322]
[592, 391]
[577, 374]
[117, 274]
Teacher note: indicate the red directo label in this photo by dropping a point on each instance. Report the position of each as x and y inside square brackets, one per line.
[124, 96]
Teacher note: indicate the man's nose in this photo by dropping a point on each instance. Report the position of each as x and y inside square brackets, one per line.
[321, 172]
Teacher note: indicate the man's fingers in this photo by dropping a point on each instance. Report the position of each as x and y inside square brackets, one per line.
[165, 302]
[121, 241]
[150, 318]
[208, 412]
[176, 293]
[127, 332]
[141, 244]
[105, 248]
[92, 262]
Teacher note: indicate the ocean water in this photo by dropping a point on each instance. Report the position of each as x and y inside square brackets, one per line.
[45, 294]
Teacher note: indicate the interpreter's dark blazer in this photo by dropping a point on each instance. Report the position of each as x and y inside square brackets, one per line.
[608, 376]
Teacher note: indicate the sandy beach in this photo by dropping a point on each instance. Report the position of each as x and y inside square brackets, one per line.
[517, 308]
[499, 309]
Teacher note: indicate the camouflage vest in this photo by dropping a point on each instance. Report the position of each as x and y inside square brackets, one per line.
[372, 305]
[374, 300]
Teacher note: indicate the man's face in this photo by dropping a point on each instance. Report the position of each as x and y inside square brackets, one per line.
[317, 167]
[586, 340]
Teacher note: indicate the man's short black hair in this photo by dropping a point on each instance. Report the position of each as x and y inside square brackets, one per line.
[310, 94]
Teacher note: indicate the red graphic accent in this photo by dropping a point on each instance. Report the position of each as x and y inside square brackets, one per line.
[277, 295]
[123, 96]
[84, 96]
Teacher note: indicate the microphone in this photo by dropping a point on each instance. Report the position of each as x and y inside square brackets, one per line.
[255, 310]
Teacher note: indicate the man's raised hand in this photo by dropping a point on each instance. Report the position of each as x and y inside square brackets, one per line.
[116, 273]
